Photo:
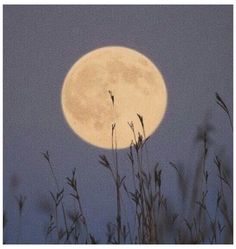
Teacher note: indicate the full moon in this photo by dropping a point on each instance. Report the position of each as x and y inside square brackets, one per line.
[111, 85]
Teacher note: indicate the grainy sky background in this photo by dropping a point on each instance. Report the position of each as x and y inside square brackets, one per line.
[192, 47]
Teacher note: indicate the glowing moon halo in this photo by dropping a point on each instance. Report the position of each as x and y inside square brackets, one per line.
[135, 82]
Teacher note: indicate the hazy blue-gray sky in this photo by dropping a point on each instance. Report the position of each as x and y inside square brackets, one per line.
[191, 45]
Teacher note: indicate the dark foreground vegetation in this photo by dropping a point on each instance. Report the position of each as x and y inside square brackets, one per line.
[155, 220]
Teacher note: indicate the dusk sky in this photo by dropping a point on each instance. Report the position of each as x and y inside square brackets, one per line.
[192, 47]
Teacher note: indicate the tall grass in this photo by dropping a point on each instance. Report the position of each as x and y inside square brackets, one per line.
[20, 205]
[205, 216]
